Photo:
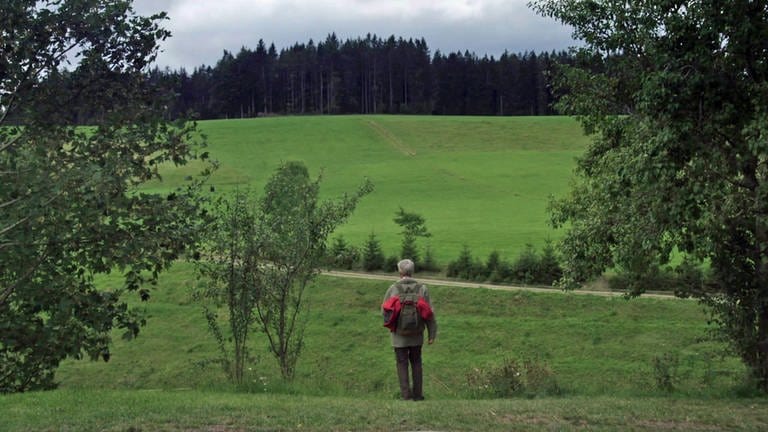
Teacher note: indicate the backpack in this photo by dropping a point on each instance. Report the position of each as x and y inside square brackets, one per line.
[409, 322]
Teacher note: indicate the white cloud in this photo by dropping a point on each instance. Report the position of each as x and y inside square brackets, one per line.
[202, 29]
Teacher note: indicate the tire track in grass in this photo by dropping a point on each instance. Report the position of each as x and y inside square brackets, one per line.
[390, 138]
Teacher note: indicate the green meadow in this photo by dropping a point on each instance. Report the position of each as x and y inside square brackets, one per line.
[602, 351]
[610, 363]
[484, 182]
[595, 345]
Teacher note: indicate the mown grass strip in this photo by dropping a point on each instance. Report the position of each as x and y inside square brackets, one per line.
[198, 411]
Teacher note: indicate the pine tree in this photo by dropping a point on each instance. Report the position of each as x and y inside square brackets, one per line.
[373, 257]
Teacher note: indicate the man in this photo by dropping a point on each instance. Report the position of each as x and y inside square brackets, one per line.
[408, 347]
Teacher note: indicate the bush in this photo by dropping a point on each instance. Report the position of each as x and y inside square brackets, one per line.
[465, 267]
[342, 255]
[513, 379]
[373, 257]
[665, 371]
[549, 270]
[493, 263]
[689, 279]
[463, 262]
[409, 250]
[684, 280]
[526, 266]
[429, 263]
[390, 265]
[502, 273]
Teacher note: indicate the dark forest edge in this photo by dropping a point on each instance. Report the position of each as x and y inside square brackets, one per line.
[363, 76]
[370, 75]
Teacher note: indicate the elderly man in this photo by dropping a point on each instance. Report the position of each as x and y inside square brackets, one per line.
[407, 344]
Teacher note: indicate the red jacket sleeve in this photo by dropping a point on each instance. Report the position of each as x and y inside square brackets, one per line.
[424, 309]
[391, 308]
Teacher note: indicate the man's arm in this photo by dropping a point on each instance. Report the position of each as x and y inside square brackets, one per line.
[431, 324]
[387, 295]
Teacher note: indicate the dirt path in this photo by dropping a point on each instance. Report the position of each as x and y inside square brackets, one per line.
[443, 282]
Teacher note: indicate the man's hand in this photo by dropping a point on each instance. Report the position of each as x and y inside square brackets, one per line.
[431, 341]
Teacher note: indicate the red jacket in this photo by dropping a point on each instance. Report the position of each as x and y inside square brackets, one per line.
[392, 308]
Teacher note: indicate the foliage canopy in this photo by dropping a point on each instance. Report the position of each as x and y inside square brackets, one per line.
[261, 256]
[676, 95]
[71, 207]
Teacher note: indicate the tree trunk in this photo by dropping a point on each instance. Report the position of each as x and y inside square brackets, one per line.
[405, 86]
[762, 349]
[320, 96]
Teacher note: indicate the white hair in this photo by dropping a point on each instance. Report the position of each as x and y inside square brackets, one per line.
[406, 267]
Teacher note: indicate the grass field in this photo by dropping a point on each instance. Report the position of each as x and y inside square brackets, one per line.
[480, 181]
[601, 351]
[142, 411]
[483, 182]
[596, 345]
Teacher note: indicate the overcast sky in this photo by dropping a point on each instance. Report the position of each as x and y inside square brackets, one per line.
[202, 29]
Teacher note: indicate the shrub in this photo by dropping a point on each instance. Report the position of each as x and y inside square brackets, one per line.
[429, 263]
[466, 267]
[513, 378]
[342, 254]
[684, 280]
[373, 257]
[493, 263]
[502, 273]
[665, 371]
[463, 262]
[690, 280]
[526, 266]
[391, 264]
[409, 250]
[549, 270]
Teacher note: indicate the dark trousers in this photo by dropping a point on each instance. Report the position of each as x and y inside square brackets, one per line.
[404, 356]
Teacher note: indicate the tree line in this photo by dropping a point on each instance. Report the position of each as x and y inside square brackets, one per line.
[368, 75]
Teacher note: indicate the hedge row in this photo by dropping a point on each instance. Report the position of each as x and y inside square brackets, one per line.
[529, 268]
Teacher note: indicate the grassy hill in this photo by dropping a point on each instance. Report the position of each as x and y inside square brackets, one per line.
[606, 354]
[607, 363]
[594, 345]
[480, 181]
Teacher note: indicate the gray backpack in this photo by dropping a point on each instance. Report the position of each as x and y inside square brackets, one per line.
[409, 322]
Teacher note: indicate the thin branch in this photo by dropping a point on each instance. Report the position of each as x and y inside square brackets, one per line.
[7, 291]
[32, 72]
[14, 225]
[10, 142]
[25, 218]
[8, 203]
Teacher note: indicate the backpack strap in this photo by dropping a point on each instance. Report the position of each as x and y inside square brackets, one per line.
[401, 288]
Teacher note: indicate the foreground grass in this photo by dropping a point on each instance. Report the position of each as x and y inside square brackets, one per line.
[98, 410]
[480, 181]
[602, 352]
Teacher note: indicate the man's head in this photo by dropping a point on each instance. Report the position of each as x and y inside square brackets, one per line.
[405, 267]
